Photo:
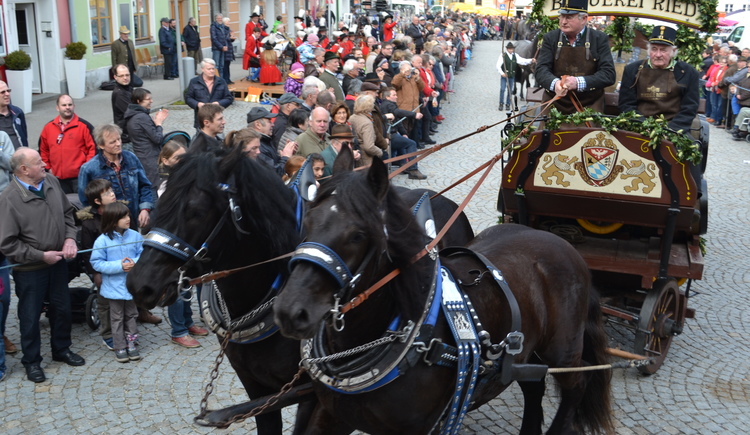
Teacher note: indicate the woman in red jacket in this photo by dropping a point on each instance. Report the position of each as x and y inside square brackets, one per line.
[388, 25]
[251, 56]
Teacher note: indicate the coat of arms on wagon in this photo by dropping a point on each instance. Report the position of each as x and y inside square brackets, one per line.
[598, 165]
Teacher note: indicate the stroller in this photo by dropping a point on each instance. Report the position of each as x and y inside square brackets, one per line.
[83, 305]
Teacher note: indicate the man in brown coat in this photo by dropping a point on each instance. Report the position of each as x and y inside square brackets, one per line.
[123, 51]
[409, 86]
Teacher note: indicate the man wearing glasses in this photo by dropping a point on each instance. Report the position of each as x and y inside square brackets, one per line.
[121, 96]
[65, 144]
[575, 61]
[12, 119]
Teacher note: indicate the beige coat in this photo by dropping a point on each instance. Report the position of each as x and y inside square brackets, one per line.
[365, 132]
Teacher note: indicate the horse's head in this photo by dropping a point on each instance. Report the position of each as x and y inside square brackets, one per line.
[354, 227]
[213, 203]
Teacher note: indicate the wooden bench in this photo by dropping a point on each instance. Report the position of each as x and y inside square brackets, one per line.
[240, 89]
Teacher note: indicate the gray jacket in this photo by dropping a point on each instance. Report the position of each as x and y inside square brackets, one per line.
[32, 225]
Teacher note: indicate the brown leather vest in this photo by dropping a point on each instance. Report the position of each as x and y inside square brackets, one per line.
[657, 92]
[578, 62]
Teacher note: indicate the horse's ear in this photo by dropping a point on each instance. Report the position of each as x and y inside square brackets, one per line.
[344, 161]
[377, 176]
[228, 162]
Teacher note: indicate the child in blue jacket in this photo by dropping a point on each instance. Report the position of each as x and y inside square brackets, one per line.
[115, 252]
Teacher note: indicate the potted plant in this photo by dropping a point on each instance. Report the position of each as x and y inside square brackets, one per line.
[20, 78]
[75, 69]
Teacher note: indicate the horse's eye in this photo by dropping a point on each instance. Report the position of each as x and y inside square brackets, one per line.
[357, 237]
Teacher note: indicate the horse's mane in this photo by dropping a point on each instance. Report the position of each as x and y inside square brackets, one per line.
[268, 205]
[356, 199]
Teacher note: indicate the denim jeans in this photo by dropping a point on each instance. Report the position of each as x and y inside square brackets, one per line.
[510, 83]
[218, 57]
[31, 288]
[5, 297]
[718, 105]
[403, 145]
[181, 317]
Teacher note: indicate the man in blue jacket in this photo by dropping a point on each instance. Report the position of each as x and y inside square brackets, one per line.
[218, 40]
[123, 170]
[12, 119]
[168, 47]
[207, 88]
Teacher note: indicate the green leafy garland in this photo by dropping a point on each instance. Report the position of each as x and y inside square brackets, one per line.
[655, 128]
[546, 24]
[621, 35]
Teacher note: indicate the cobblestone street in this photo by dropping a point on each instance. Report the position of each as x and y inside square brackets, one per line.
[703, 387]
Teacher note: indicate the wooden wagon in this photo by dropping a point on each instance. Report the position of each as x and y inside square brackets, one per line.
[632, 211]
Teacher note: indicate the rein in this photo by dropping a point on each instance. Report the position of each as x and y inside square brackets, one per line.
[225, 273]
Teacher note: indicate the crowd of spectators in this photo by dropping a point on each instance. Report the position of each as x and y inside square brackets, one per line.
[385, 95]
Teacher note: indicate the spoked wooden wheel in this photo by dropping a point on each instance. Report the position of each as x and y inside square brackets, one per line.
[662, 317]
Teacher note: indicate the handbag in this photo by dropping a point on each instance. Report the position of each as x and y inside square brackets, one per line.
[254, 62]
[136, 81]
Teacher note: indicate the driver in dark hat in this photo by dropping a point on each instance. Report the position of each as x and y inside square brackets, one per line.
[578, 54]
[661, 84]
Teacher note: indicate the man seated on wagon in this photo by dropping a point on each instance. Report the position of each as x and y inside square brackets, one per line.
[575, 59]
[661, 84]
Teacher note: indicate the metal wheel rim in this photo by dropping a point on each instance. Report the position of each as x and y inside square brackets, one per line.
[92, 312]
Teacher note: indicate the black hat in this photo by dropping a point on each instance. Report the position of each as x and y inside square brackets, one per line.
[299, 18]
[330, 56]
[574, 7]
[257, 113]
[510, 45]
[663, 35]
[322, 29]
[372, 78]
[254, 15]
[165, 20]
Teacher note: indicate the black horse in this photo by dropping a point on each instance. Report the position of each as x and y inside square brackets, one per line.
[243, 214]
[358, 219]
[199, 198]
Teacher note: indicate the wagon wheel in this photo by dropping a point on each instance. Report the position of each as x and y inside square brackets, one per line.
[92, 312]
[598, 227]
[662, 317]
